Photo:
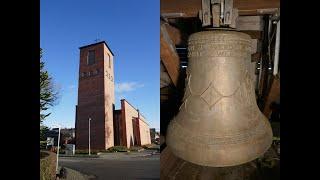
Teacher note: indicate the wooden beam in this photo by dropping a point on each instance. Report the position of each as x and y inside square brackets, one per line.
[254, 45]
[249, 23]
[255, 12]
[256, 57]
[272, 96]
[251, 5]
[254, 34]
[191, 8]
[164, 79]
[188, 8]
[168, 55]
[174, 34]
[162, 139]
[163, 98]
[165, 93]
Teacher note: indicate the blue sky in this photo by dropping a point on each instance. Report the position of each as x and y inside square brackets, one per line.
[131, 29]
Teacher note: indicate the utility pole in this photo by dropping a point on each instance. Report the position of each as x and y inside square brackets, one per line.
[89, 138]
[57, 163]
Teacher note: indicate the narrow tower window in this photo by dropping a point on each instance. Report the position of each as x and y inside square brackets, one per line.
[91, 57]
[109, 60]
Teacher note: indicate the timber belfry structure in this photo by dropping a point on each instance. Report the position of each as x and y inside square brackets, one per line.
[95, 112]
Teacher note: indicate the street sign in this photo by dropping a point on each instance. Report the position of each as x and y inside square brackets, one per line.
[50, 141]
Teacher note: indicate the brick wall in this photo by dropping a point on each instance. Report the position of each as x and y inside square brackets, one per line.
[95, 99]
[129, 113]
[144, 131]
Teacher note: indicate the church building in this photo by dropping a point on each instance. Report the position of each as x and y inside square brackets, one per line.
[96, 105]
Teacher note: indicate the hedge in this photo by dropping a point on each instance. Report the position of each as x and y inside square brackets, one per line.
[86, 151]
[47, 165]
[135, 148]
[118, 149]
[147, 146]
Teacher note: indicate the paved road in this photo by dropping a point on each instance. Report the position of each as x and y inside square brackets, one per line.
[120, 166]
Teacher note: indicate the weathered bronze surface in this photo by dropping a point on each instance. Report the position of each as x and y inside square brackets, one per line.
[219, 123]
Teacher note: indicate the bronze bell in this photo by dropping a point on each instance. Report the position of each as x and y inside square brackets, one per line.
[219, 123]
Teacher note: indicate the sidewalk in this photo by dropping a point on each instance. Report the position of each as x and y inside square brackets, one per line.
[80, 155]
[128, 155]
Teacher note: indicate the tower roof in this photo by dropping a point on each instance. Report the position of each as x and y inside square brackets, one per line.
[96, 44]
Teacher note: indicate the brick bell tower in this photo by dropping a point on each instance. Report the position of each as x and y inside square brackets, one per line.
[95, 97]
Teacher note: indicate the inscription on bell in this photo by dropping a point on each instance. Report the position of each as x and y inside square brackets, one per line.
[211, 49]
[214, 46]
[217, 53]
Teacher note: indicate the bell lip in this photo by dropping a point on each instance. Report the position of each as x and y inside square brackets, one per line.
[223, 165]
[268, 145]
